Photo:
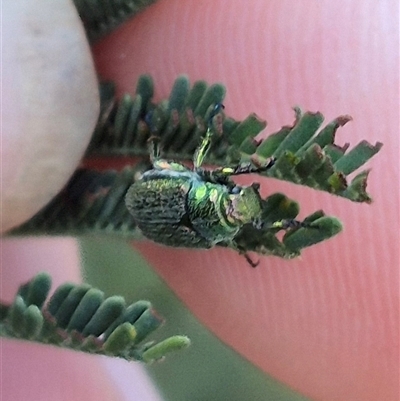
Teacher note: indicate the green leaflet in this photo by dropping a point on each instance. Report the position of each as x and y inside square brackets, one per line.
[305, 152]
[78, 317]
[100, 17]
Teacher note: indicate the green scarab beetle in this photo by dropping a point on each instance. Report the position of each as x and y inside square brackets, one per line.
[180, 207]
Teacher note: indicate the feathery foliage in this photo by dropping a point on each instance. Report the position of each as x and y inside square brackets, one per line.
[305, 153]
[79, 317]
[100, 17]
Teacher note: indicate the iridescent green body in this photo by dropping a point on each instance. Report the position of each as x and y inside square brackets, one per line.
[176, 206]
[181, 209]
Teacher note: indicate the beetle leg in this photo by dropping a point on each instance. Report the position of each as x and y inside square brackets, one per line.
[245, 168]
[287, 224]
[250, 261]
[202, 150]
[157, 162]
[154, 150]
[243, 252]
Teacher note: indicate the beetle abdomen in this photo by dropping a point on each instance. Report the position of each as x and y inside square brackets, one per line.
[159, 208]
[158, 200]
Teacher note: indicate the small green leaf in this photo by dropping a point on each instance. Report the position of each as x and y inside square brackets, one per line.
[146, 324]
[84, 321]
[304, 129]
[312, 159]
[195, 95]
[248, 128]
[16, 315]
[320, 230]
[32, 322]
[161, 349]
[59, 296]
[105, 315]
[36, 291]
[356, 190]
[279, 207]
[326, 136]
[120, 339]
[122, 116]
[270, 144]
[214, 94]
[67, 308]
[357, 157]
[179, 93]
[334, 152]
[145, 88]
[100, 17]
[130, 315]
[85, 310]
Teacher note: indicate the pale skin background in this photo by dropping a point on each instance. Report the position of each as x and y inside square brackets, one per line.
[50, 105]
[326, 324]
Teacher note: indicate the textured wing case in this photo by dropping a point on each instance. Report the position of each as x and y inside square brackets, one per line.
[159, 208]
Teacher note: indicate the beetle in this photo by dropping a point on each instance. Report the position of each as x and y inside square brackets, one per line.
[195, 208]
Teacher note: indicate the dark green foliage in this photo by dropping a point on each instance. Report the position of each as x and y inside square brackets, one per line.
[196, 208]
[89, 305]
[114, 218]
[105, 315]
[125, 126]
[323, 227]
[301, 157]
[306, 154]
[316, 228]
[78, 317]
[35, 292]
[102, 16]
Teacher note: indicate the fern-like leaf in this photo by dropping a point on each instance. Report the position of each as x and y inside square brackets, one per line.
[100, 17]
[78, 317]
[304, 153]
[93, 203]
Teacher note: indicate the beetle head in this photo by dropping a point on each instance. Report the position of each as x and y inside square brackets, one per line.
[246, 205]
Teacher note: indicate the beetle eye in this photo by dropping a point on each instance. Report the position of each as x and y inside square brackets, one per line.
[236, 190]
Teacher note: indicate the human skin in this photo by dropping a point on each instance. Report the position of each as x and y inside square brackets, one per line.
[325, 324]
[36, 372]
[50, 106]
